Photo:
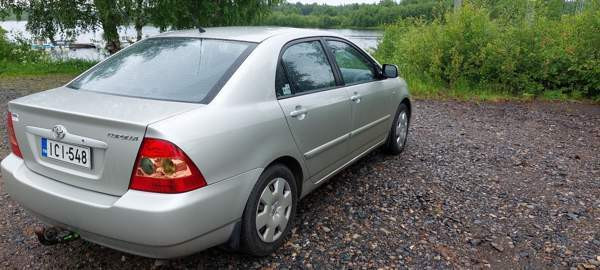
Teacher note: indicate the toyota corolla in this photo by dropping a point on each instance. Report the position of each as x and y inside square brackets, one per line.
[194, 139]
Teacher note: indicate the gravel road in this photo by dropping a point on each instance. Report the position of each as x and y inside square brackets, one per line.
[500, 185]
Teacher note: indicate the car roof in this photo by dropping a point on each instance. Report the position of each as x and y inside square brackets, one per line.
[247, 33]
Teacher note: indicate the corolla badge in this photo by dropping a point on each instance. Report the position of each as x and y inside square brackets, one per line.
[59, 132]
[122, 137]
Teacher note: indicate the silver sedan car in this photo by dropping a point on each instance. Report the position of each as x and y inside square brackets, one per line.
[193, 139]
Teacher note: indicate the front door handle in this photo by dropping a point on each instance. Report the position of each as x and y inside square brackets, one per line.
[355, 98]
[298, 113]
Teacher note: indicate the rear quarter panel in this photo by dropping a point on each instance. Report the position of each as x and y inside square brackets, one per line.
[228, 141]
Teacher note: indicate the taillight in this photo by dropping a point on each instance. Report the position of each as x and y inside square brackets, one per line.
[12, 138]
[164, 168]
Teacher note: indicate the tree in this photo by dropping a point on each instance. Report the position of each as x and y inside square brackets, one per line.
[140, 16]
[354, 15]
[112, 14]
[181, 14]
[50, 17]
[8, 7]
[46, 18]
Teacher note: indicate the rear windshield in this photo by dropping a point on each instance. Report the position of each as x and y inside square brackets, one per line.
[177, 69]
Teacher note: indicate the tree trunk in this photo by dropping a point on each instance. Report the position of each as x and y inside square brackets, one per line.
[580, 5]
[50, 33]
[110, 22]
[111, 36]
[138, 30]
[530, 12]
[457, 5]
[139, 18]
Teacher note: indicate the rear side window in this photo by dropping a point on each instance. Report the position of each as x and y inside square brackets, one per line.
[355, 68]
[178, 69]
[282, 86]
[307, 67]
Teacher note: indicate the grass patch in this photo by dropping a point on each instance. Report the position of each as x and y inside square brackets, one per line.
[430, 90]
[489, 95]
[423, 88]
[66, 67]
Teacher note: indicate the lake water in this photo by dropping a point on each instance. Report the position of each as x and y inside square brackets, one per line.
[366, 39]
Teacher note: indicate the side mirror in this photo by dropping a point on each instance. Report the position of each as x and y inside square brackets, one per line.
[390, 71]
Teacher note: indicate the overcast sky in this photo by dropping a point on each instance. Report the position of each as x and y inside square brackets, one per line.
[333, 2]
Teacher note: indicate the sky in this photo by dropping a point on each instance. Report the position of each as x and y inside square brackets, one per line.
[333, 2]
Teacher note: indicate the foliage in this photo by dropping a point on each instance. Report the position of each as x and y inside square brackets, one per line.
[352, 16]
[17, 58]
[50, 17]
[520, 54]
[181, 14]
[18, 51]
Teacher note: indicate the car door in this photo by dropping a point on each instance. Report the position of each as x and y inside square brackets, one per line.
[369, 97]
[317, 109]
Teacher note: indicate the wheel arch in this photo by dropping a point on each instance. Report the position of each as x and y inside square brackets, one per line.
[233, 243]
[294, 166]
[408, 104]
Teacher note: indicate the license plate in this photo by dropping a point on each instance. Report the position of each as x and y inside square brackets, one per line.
[77, 155]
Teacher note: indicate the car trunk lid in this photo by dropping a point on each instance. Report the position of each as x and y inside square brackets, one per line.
[111, 127]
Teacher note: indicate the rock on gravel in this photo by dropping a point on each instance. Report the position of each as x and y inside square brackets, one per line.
[501, 185]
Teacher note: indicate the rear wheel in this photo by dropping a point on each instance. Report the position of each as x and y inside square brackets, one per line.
[399, 132]
[270, 211]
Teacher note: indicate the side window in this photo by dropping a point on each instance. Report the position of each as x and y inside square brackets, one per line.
[355, 68]
[307, 67]
[282, 85]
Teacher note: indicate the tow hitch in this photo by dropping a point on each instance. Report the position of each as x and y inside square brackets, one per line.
[55, 235]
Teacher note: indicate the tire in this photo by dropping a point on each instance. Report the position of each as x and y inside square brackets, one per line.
[255, 239]
[398, 135]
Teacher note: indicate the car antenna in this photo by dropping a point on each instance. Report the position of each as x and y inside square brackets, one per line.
[197, 22]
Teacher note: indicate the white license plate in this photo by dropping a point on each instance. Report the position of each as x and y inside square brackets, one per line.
[78, 155]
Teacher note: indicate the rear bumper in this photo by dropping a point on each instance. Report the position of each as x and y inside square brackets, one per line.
[142, 223]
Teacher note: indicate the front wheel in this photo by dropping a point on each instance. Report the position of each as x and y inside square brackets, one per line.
[270, 211]
[399, 132]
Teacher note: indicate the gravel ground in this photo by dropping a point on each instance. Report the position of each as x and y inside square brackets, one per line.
[500, 185]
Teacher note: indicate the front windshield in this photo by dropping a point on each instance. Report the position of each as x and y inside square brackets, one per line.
[177, 69]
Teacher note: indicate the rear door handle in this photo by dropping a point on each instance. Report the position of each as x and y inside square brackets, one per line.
[299, 113]
[355, 98]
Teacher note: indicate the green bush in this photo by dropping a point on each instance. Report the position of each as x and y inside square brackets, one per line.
[18, 58]
[18, 50]
[4, 48]
[470, 51]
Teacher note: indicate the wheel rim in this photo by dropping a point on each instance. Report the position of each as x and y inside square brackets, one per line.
[401, 128]
[274, 209]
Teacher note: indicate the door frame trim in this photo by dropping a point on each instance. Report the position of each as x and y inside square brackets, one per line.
[324, 147]
[319, 149]
[368, 126]
[374, 65]
[331, 60]
[280, 64]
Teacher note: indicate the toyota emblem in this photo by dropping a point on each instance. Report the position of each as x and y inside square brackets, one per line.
[59, 132]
